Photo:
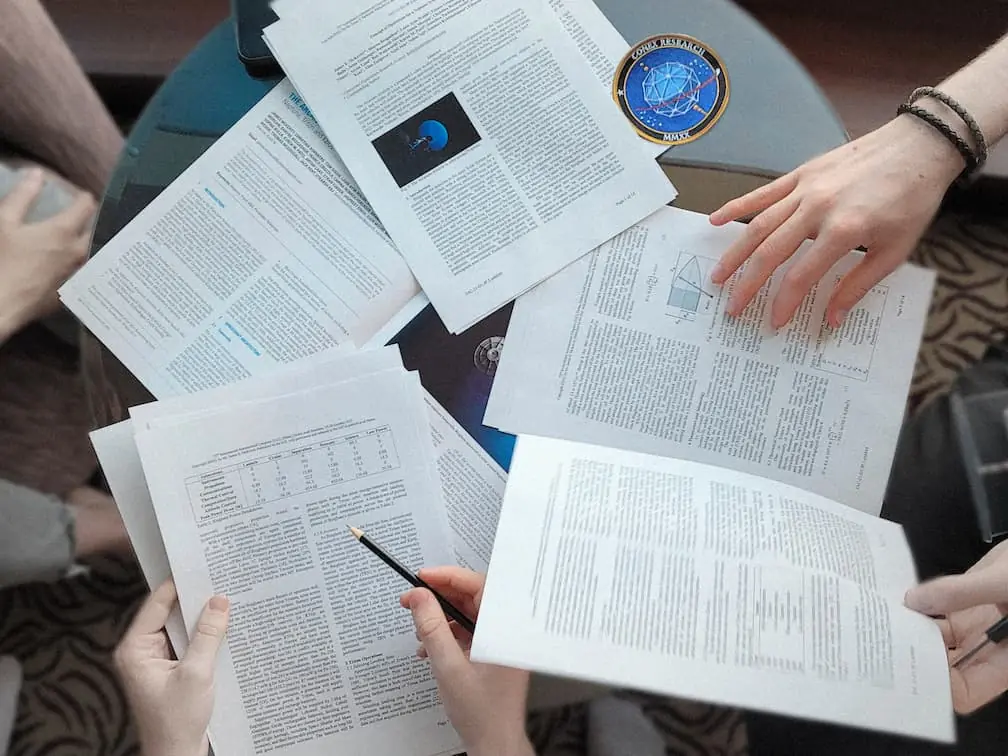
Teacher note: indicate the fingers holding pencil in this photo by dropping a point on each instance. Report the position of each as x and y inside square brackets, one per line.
[453, 612]
[463, 588]
[428, 615]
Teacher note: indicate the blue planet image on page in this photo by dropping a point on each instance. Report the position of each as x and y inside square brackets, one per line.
[426, 140]
[432, 136]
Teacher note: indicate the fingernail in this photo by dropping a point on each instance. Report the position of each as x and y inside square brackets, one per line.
[219, 604]
[839, 318]
[716, 274]
[34, 175]
[914, 600]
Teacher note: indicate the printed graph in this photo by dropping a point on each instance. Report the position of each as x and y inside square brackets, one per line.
[690, 291]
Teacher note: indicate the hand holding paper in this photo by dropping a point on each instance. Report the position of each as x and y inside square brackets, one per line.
[971, 604]
[171, 700]
[687, 579]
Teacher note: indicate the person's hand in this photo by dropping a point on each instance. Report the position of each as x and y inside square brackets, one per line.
[171, 700]
[98, 526]
[970, 603]
[36, 258]
[485, 703]
[879, 192]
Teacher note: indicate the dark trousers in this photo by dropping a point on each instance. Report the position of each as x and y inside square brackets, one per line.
[928, 494]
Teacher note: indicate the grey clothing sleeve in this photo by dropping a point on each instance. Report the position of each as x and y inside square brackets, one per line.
[37, 539]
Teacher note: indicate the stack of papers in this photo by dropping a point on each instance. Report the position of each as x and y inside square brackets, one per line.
[248, 492]
[464, 155]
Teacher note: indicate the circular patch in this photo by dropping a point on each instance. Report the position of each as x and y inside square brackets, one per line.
[487, 354]
[672, 88]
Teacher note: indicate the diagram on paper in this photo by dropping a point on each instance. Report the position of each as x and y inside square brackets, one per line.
[691, 292]
[849, 351]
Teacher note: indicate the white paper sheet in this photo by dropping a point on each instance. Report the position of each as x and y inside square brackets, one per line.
[291, 379]
[117, 455]
[598, 41]
[695, 581]
[471, 482]
[473, 486]
[631, 348]
[479, 135]
[254, 502]
[262, 253]
[398, 321]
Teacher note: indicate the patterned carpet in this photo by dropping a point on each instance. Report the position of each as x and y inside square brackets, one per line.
[64, 634]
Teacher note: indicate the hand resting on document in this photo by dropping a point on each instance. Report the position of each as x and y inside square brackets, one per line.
[880, 192]
[171, 700]
[485, 703]
[967, 605]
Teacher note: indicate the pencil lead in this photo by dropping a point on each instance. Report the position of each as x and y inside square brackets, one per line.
[357, 532]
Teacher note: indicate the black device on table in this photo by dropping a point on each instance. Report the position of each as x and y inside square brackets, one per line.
[981, 424]
[250, 18]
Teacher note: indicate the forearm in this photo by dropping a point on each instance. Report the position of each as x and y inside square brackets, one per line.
[519, 746]
[8, 326]
[981, 87]
[49, 107]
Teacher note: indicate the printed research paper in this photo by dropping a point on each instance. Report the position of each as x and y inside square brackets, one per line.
[254, 501]
[598, 41]
[263, 252]
[479, 135]
[690, 580]
[471, 482]
[631, 347]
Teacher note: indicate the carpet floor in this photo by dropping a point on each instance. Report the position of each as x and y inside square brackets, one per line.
[63, 634]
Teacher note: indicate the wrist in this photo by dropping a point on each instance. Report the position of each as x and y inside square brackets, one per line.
[935, 158]
[513, 744]
[8, 326]
[161, 745]
[172, 750]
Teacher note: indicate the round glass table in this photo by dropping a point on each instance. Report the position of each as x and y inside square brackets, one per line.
[775, 120]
